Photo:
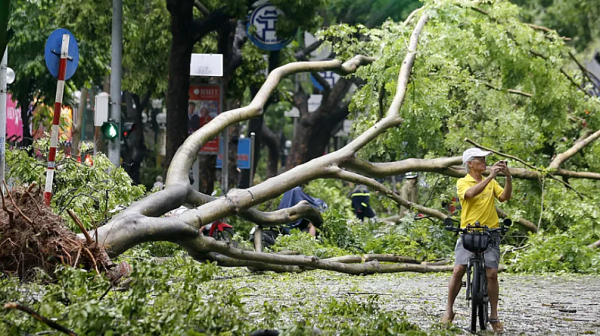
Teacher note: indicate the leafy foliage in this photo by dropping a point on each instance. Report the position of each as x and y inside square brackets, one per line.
[177, 297]
[91, 192]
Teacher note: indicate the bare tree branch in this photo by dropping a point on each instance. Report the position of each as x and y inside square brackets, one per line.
[407, 66]
[411, 16]
[595, 245]
[305, 262]
[400, 167]
[198, 4]
[564, 156]
[325, 84]
[357, 259]
[548, 30]
[521, 93]
[37, 316]
[226, 261]
[121, 234]
[527, 224]
[586, 73]
[184, 158]
[576, 174]
[282, 216]
[302, 55]
[525, 163]
[301, 210]
[359, 179]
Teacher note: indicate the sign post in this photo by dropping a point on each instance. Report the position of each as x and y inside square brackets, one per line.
[63, 40]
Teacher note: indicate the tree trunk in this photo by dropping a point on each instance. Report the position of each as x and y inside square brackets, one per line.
[314, 130]
[134, 149]
[179, 75]
[272, 143]
[207, 176]
[27, 137]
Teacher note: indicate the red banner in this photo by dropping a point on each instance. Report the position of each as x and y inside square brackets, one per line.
[204, 105]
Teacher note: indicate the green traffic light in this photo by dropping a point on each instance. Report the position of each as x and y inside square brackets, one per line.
[110, 130]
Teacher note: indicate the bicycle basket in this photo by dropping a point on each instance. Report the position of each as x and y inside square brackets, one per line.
[476, 242]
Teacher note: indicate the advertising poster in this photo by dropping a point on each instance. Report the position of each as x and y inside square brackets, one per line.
[204, 105]
[14, 125]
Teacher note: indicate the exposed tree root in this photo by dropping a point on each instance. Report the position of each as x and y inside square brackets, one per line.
[36, 238]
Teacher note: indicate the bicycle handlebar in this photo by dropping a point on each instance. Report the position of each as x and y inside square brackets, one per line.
[449, 222]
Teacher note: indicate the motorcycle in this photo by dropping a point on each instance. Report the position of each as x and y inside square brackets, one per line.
[220, 231]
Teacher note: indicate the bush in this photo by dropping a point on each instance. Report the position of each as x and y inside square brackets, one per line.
[552, 252]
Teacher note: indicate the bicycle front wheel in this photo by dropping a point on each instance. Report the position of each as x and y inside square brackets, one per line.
[476, 297]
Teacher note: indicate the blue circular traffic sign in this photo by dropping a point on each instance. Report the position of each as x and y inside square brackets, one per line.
[264, 19]
[52, 53]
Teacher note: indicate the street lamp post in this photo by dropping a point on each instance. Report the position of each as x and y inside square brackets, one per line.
[3, 115]
[114, 147]
[7, 76]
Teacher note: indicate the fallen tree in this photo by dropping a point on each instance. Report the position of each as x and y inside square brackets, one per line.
[142, 221]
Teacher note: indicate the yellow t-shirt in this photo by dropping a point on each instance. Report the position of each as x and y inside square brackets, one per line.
[481, 207]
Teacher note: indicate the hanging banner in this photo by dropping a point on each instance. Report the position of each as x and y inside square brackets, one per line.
[14, 124]
[204, 105]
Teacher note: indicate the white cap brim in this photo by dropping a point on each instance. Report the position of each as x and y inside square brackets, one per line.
[474, 152]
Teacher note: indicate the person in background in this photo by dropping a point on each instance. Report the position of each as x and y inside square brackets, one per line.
[159, 185]
[193, 118]
[361, 202]
[293, 197]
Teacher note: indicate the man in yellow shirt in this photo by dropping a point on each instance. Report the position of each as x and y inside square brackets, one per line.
[477, 196]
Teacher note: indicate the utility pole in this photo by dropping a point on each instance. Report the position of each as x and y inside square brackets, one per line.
[114, 147]
[3, 115]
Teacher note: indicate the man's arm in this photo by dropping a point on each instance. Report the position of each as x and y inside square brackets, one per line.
[507, 193]
[478, 188]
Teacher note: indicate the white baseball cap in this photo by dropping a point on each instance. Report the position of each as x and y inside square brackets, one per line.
[473, 152]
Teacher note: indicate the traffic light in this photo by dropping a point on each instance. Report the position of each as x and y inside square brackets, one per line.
[110, 130]
[128, 127]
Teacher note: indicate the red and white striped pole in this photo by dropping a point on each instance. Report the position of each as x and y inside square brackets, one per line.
[60, 88]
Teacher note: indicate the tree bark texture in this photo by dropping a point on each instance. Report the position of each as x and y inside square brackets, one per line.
[134, 149]
[272, 143]
[314, 130]
[179, 75]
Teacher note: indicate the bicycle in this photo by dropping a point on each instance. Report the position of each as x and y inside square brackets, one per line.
[476, 239]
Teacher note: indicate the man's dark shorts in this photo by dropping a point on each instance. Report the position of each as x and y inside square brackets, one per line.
[492, 254]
